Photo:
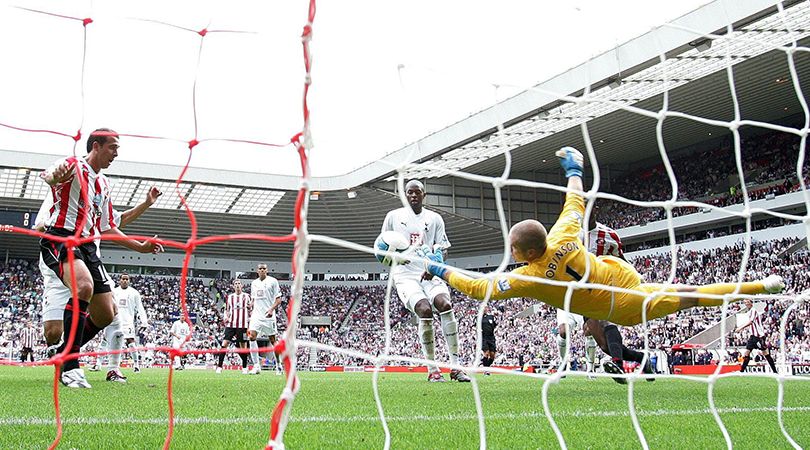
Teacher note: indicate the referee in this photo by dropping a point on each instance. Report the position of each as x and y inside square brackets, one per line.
[488, 325]
[758, 337]
[28, 339]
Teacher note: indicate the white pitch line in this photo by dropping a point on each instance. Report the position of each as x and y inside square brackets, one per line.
[42, 421]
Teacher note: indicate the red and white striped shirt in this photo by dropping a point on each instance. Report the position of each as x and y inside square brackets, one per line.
[604, 240]
[755, 318]
[237, 310]
[28, 337]
[70, 208]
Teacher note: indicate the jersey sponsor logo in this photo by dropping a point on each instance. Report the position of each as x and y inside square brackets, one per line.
[503, 285]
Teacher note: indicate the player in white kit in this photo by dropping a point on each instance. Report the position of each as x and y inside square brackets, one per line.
[130, 312]
[179, 333]
[421, 293]
[266, 296]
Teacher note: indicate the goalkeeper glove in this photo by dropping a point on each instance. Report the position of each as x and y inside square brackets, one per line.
[436, 257]
[571, 161]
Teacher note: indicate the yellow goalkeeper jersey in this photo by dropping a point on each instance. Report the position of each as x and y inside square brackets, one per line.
[565, 260]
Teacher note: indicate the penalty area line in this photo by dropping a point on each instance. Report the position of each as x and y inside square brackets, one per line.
[47, 421]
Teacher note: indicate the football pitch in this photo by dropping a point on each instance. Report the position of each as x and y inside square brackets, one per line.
[337, 410]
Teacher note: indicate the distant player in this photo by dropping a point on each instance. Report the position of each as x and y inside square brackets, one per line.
[758, 338]
[179, 333]
[83, 207]
[488, 345]
[28, 340]
[420, 292]
[559, 256]
[130, 312]
[237, 311]
[266, 296]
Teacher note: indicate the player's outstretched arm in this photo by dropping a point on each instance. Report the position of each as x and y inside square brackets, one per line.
[132, 244]
[476, 288]
[573, 163]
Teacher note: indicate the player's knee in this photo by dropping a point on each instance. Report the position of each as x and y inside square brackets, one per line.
[422, 309]
[442, 303]
[84, 288]
[562, 333]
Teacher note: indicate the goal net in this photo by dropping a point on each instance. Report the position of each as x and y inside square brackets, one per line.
[560, 114]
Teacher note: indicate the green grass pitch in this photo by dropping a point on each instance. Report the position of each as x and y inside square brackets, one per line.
[337, 410]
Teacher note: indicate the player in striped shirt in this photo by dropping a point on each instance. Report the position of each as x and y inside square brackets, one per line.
[28, 340]
[83, 207]
[237, 312]
[758, 338]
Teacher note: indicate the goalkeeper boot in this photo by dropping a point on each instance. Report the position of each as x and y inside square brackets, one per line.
[612, 367]
[436, 377]
[75, 379]
[460, 376]
[116, 376]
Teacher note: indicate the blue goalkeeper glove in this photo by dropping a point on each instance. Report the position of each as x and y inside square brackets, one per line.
[436, 257]
[571, 161]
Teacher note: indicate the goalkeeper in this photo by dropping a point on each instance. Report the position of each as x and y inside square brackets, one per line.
[560, 255]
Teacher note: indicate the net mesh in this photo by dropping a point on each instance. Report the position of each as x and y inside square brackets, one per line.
[668, 72]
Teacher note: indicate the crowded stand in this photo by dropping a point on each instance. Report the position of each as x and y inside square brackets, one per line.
[769, 164]
[356, 313]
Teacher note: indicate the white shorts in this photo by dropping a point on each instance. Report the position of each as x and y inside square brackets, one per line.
[178, 343]
[128, 330]
[573, 320]
[55, 295]
[263, 326]
[411, 288]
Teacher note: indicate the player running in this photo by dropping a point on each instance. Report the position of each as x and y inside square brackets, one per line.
[420, 292]
[266, 295]
[560, 256]
[83, 208]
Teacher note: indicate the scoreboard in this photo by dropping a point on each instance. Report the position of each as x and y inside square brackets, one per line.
[22, 219]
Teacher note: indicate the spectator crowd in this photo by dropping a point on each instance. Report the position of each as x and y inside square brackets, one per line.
[357, 313]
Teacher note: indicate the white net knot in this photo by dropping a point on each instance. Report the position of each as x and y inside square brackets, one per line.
[498, 183]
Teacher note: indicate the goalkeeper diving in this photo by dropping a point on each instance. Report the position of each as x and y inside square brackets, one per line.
[561, 256]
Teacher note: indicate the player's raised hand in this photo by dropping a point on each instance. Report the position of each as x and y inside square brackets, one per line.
[152, 195]
[59, 174]
[571, 161]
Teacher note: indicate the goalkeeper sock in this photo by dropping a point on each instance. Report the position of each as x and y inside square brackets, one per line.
[752, 287]
[68, 319]
[254, 354]
[771, 363]
[632, 355]
[614, 342]
[450, 329]
[221, 359]
[242, 356]
[590, 352]
[425, 329]
[746, 360]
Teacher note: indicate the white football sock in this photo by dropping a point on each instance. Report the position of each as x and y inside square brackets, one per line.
[254, 353]
[450, 330]
[561, 346]
[135, 356]
[111, 341]
[425, 329]
[590, 352]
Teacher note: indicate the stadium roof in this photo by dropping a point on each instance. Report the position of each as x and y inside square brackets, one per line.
[536, 123]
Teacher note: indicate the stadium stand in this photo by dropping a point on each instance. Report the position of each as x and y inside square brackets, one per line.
[356, 312]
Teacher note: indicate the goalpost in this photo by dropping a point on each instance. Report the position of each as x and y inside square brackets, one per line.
[786, 29]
